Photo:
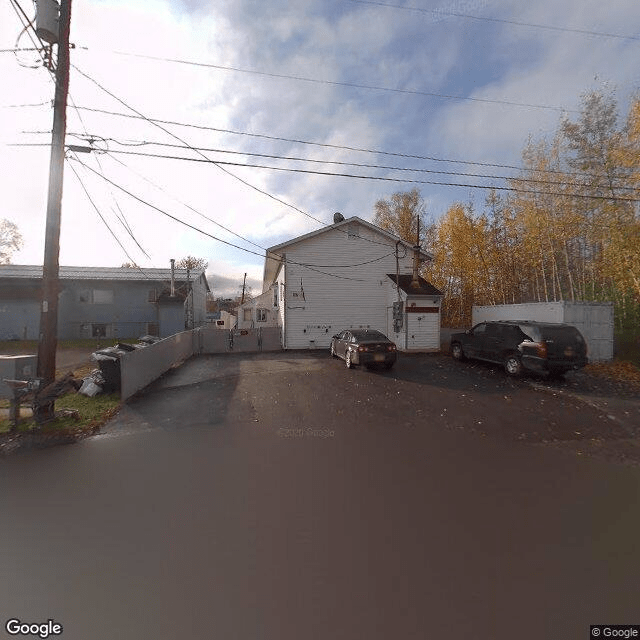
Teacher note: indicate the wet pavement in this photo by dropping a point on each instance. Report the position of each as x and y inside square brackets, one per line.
[282, 496]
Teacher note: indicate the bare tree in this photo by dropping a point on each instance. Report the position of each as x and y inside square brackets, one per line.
[192, 263]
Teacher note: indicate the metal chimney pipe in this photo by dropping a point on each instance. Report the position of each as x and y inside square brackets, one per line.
[173, 278]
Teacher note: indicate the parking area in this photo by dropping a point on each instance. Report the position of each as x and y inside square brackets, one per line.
[583, 414]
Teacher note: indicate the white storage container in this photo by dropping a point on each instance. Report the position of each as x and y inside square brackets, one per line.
[594, 320]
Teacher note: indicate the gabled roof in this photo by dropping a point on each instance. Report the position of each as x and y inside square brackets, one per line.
[425, 288]
[273, 258]
[34, 272]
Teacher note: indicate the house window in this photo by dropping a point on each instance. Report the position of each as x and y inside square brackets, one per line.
[261, 315]
[353, 230]
[275, 295]
[246, 315]
[153, 329]
[102, 296]
[152, 296]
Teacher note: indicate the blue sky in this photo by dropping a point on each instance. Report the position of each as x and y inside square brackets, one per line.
[334, 42]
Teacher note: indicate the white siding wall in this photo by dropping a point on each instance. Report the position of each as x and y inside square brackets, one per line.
[324, 305]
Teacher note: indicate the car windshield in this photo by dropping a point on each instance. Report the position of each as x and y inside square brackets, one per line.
[365, 334]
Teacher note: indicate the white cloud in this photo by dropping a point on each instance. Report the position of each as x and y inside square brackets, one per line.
[329, 40]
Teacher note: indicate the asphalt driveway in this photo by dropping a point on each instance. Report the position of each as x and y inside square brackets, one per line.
[281, 496]
[586, 415]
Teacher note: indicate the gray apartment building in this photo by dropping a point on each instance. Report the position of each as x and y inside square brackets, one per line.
[111, 302]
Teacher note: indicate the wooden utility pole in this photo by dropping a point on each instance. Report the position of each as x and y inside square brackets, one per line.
[48, 339]
[244, 282]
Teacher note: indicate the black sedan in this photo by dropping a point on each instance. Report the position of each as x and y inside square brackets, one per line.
[364, 346]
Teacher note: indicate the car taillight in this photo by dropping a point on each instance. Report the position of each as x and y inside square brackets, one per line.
[391, 347]
[363, 348]
[541, 349]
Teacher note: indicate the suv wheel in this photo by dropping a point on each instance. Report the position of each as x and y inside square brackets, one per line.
[512, 365]
[347, 359]
[456, 351]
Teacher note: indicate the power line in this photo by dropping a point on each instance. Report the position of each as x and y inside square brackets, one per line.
[467, 16]
[516, 179]
[331, 162]
[184, 204]
[340, 266]
[338, 83]
[218, 165]
[381, 178]
[106, 224]
[20, 106]
[318, 144]
[231, 244]
[173, 135]
[121, 216]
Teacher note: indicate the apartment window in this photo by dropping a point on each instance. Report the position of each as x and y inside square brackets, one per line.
[103, 296]
[246, 315]
[152, 296]
[261, 315]
[153, 329]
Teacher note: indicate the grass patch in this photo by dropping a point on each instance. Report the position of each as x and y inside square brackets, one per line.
[92, 412]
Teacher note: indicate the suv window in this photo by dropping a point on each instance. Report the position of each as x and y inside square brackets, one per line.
[563, 334]
[530, 332]
[496, 330]
[479, 329]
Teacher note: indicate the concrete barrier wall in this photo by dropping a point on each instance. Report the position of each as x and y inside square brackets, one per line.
[141, 367]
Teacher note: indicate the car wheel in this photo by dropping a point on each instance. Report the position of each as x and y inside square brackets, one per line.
[347, 359]
[456, 351]
[556, 375]
[512, 365]
[388, 365]
[333, 351]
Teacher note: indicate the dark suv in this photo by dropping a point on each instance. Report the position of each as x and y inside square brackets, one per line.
[535, 346]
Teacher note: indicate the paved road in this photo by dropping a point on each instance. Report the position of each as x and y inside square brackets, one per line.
[284, 497]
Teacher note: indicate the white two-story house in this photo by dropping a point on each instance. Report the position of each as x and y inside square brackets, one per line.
[351, 274]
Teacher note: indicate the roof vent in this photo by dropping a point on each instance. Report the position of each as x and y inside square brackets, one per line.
[337, 217]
